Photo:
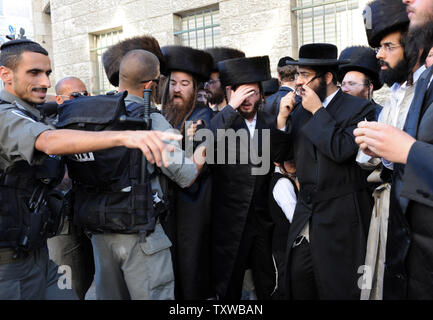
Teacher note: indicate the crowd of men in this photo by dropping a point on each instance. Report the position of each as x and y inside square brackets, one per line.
[200, 166]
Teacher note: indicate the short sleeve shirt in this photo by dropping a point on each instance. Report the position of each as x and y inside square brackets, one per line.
[19, 131]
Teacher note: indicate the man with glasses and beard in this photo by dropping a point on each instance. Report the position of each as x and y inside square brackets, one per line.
[360, 77]
[327, 238]
[188, 226]
[214, 88]
[387, 33]
[411, 152]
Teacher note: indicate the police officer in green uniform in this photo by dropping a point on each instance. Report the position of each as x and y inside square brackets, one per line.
[25, 143]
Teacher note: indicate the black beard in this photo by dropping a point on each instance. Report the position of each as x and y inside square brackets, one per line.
[321, 89]
[217, 97]
[423, 35]
[398, 74]
[251, 114]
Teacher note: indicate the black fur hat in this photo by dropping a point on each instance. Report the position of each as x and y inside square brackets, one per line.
[112, 57]
[362, 59]
[189, 60]
[244, 70]
[382, 17]
[222, 53]
[270, 86]
[317, 55]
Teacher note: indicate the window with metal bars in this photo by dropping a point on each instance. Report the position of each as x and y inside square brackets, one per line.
[198, 29]
[332, 21]
[99, 44]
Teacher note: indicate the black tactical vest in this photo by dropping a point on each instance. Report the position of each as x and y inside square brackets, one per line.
[30, 210]
[108, 194]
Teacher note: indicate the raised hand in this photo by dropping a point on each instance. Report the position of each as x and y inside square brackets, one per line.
[238, 97]
[310, 100]
[287, 104]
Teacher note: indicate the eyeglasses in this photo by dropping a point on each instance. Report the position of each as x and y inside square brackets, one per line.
[388, 47]
[211, 82]
[351, 85]
[77, 94]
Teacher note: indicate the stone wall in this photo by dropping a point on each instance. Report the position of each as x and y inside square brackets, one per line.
[257, 27]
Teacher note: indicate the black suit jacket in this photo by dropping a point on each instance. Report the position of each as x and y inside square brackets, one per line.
[333, 194]
[272, 104]
[237, 194]
[409, 267]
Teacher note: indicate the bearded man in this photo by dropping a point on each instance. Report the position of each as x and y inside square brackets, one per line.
[189, 225]
[214, 88]
[388, 33]
[241, 223]
[411, 152]
[328, 234]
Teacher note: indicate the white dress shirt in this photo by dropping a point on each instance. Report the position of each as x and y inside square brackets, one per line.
[251, 125]
[285, 196]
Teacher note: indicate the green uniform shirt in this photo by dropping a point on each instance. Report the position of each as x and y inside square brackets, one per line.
[18, 132]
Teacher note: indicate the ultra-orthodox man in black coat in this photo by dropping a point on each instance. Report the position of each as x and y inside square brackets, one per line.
[333, 195]
[241, 222]
[188, 224]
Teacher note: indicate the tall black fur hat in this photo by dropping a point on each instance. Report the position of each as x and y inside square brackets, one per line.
[244, 70]
[317, 54]
[112, 57]
[270, 86]
[362, 59]
[382, 17]
[223, 53]
[186, 59]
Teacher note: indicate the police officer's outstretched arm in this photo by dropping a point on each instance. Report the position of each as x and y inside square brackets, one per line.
[64, 141]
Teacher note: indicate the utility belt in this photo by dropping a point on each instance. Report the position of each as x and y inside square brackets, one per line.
[30, 213]
[309, 196]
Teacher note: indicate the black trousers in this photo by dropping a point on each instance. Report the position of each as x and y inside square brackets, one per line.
[255, 253]
[302, 280]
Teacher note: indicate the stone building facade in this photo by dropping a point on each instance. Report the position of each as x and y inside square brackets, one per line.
[76, 32]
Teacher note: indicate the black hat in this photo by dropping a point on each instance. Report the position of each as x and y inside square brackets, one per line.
[222, 53]
[382, 17]
[244, 70]
[189, 60]
[317, 54]
[113, 56]
[284, 61]
[362, 59]
[270, 86]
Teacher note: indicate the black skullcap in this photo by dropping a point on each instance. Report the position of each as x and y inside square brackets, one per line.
[15, 42]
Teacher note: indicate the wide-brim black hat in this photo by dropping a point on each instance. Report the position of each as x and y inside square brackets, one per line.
[382, 17]
[270, 86]
[317, 54]
[362, 59]
[244, 70]
[223, 53]
[284, 61]
[112, 57]
[189, 60]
